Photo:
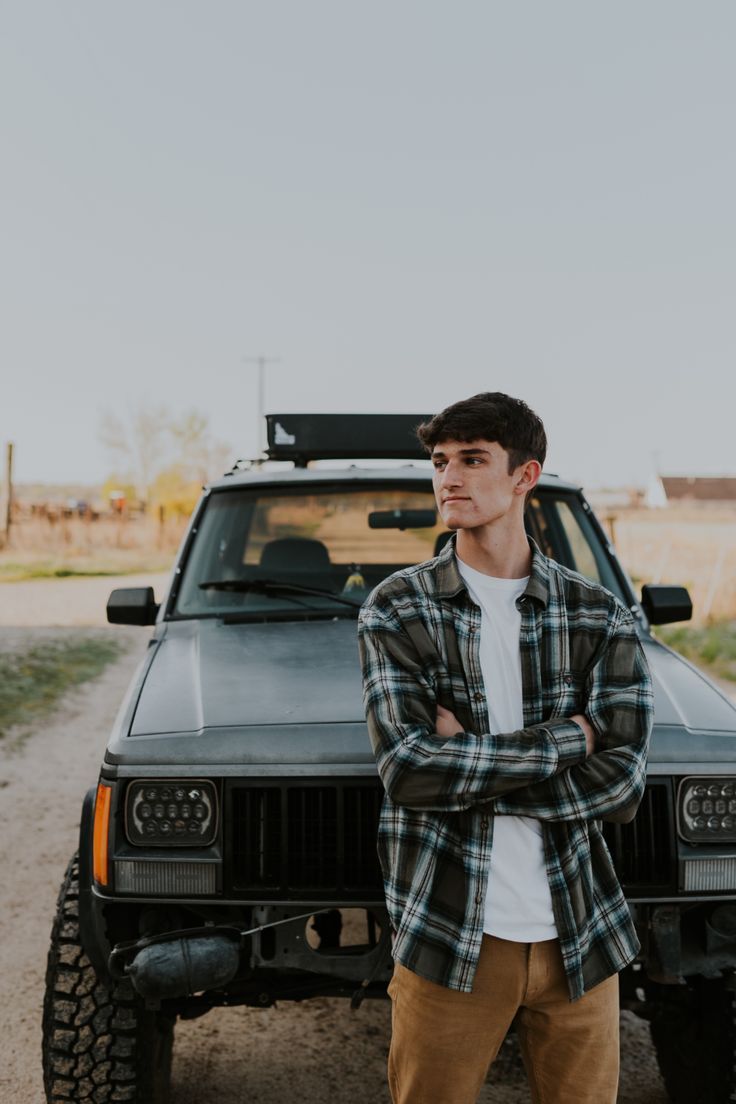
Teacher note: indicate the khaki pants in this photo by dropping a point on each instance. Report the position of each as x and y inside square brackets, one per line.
[444, 1041]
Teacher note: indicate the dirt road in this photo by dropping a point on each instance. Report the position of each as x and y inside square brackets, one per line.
[310, 1052]
[79, 600]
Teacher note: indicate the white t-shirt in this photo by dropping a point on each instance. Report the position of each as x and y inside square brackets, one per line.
[518, 898]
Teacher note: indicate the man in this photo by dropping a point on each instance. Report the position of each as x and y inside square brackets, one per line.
[509, 705]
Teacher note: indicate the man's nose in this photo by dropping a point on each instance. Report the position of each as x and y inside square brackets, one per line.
[452, 475]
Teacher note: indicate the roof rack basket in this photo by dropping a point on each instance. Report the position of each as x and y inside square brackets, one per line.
[305, 437]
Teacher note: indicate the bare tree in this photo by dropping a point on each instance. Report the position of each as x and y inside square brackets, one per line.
[137, 443]
[150, 439]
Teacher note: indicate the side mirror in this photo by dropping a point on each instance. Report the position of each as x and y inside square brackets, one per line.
[132, 606]
[664, 604]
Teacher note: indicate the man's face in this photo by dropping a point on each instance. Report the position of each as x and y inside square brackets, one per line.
[472, 483]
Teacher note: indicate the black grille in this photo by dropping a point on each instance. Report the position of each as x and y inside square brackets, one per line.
[257, 837]
[291, 839]
[643, 851]
[312, 832]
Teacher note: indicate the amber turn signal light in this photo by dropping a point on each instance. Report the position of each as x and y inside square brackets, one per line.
[100, 865]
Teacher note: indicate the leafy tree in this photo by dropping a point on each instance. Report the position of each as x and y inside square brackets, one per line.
[174, 492]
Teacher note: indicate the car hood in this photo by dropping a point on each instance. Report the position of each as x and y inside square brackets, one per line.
[258, 692]
[207, 674]
[694, 721]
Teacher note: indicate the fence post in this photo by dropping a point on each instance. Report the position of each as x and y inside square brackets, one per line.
[714, 582]
[8, 494]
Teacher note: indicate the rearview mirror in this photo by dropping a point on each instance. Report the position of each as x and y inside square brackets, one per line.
[402, 519]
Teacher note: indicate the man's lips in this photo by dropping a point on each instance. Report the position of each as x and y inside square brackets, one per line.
[454, 498]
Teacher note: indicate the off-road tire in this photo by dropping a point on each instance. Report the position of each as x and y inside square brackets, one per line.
[694, 1034]
[100, 1044]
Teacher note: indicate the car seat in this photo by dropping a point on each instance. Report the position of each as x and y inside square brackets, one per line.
[299, 559]
[441, 541]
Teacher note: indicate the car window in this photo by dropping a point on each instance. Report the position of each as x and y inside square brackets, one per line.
[564, 531]
[339, 519]
[314, 538]
[319, 539]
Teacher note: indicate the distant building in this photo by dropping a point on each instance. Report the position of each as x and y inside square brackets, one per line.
[700, 488]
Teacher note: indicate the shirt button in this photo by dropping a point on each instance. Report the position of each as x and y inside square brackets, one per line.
[484, 823]
[478, 697]
[479, 898]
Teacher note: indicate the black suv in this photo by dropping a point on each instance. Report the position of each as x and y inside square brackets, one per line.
[228, 853]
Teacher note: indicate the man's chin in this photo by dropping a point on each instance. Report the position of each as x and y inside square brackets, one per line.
[455, 523]
[453, 520]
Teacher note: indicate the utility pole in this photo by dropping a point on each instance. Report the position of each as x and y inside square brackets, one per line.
[261, 361]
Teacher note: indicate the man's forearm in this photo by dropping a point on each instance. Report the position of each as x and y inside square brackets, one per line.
[422, 770]
[607, 786]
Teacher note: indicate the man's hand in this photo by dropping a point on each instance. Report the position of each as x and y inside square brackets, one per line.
[447, 723]
[588, 730]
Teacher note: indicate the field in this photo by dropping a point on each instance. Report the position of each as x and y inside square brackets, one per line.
[690, 546]
[107, 545]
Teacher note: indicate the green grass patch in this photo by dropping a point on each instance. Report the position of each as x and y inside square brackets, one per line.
[33, 679]
[713, 646]
[14, 571]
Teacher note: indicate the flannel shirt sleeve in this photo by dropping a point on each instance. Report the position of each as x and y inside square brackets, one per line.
[609, 784]
[421, 769]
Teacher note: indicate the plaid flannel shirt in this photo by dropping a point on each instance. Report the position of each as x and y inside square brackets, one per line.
[419, 636]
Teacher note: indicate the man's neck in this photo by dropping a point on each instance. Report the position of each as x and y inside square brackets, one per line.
[498, 551]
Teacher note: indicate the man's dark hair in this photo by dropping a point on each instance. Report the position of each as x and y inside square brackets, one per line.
[492, 416]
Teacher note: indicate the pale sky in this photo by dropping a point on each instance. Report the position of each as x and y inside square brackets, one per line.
[406, 202]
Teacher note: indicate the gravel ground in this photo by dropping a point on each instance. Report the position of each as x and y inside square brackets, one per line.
[309, 1052]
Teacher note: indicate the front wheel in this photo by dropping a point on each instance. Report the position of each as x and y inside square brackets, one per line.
[694, 1035]
[100, 1043]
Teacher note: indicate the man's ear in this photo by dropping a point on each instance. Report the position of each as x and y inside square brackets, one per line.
[527, 476]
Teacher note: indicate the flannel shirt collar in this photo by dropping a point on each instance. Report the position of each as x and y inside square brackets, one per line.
[450, 582]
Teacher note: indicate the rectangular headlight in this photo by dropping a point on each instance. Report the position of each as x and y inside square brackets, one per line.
[171, 813]
[706, 810]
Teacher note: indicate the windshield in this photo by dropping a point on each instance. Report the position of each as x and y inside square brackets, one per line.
[276, 552]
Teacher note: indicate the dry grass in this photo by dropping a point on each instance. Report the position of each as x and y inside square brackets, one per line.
[693, 547]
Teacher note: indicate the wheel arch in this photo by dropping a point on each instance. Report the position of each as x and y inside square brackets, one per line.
[92, 928]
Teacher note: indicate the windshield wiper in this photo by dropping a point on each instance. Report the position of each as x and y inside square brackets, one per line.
[276, 586]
